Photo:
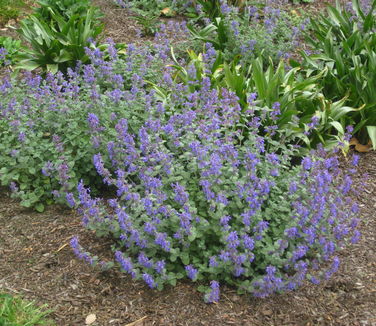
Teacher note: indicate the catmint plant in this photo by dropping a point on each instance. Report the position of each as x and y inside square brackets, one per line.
[47, 125]
[196, 199]
[271, 31]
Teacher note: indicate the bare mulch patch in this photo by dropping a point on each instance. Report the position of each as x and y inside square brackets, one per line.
[36, 261]
[119, 24]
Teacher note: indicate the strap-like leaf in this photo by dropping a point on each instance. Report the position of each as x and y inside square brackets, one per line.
[372, 135]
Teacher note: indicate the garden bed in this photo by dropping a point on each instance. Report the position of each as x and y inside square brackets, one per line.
[37, 261]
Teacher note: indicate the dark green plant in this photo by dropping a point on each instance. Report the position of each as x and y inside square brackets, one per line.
[295, 2]
[345, 42]
[57, 46]
[215, 33]
[211, 8]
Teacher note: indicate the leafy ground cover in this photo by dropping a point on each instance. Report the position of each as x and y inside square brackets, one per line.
[157, 113]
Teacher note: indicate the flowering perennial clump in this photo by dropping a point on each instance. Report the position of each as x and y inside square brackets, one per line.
[198, 186]
[44, 136]
[270, 31]
[200, 194]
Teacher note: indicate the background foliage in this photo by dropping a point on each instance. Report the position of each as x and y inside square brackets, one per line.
[345, 42]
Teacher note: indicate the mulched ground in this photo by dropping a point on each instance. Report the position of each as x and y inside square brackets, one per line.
[119, 24]
[37, 262]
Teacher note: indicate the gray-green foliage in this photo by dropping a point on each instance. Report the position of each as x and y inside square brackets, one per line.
[254, 31]
[200, 193]
[44, 138]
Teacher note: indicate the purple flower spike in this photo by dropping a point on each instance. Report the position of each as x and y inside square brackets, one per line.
[149, 280]
[191, 272]
[213, 295]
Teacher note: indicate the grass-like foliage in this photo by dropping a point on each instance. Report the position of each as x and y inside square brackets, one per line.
[344, 42]
[58, 44]
[58, 32]
[15, 311]
[196, 198]
[66, 8]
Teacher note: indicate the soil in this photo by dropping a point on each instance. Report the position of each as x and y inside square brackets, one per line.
[37, 262]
